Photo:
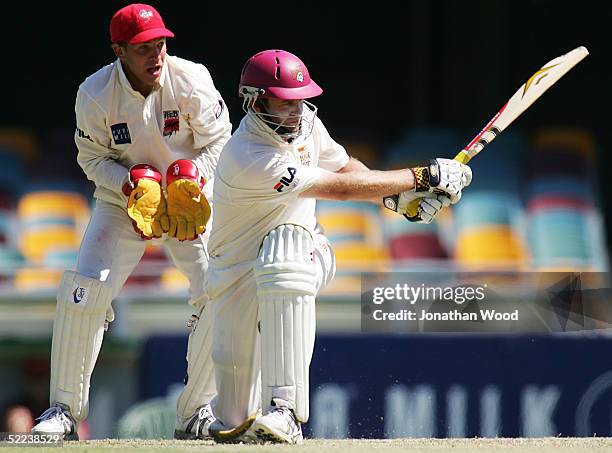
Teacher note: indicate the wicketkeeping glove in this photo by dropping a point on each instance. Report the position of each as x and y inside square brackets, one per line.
[146, 204]
[428, 205]
[188, 209]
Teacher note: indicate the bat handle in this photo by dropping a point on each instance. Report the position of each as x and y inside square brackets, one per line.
[463, 157]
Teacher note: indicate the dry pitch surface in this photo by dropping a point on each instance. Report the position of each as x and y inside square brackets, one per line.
[548, 445]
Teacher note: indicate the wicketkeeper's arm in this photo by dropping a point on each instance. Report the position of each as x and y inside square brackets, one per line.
[95, 157]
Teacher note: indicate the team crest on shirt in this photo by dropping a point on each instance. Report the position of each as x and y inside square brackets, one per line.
[305, 158]
[171, 122]
[121, 134]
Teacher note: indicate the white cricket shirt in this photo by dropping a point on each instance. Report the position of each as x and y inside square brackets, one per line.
[184, 117]
[257, 183]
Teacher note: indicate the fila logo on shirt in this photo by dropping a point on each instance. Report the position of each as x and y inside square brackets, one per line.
[218, 109]
[81, 134]
[284, 181]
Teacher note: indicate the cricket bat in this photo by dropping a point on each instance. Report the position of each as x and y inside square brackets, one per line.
[526, 95]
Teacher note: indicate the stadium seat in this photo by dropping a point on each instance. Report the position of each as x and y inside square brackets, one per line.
[149, 269]
[355, 232]
[10, 260]
[419, 144]
[498, 169]
[35, 243]
[488, 229]
[489, 247]
[409, 241]
[564, 225]
[51, 220]
[173, 280]
[566, 140]
[13, 172]
[22, 142]
[32, 279]
[61, 258]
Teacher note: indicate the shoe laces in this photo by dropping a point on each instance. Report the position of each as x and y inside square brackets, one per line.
[284, 413]
[56, 411]
[205, 412]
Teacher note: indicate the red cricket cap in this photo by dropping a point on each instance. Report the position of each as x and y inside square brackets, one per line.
[138, 23]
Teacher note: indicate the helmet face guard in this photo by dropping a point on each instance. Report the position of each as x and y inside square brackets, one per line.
[276, 74]
[286, 128]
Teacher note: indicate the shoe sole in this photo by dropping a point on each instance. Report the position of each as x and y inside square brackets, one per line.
[72, 436]
[231, 436]
[267, 435]
[182, 435]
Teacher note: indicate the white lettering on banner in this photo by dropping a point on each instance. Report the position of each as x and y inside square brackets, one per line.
[490, 412]
[410, 412]
[537, 408]
[596, 391]
[330, 410]
[456, 411]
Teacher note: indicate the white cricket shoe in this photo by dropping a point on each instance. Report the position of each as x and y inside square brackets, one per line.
[57, 420]
[279, 425]
[195, 427]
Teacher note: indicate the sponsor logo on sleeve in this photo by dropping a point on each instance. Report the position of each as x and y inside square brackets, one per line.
[285, 181]
[171, 122]
[121, 134]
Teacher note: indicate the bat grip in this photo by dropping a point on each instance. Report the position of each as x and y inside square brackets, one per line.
[463, 157]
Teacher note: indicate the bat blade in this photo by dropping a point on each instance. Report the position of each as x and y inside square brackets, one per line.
[526, 95]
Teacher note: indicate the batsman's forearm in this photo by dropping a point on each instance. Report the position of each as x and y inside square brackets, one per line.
[363, 186]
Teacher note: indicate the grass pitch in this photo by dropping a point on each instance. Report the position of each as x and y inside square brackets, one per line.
[546, 445]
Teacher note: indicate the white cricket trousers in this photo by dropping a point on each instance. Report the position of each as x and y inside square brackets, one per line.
[111, 249]
[109, 252]
[236, 341]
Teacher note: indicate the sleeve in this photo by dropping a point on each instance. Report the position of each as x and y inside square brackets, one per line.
[332, 156]
[209, 120]
[279, 180]
[96, 158]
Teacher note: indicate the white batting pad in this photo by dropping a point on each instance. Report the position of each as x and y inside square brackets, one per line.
[80, 315]
[286, 278]
[200, 387]
[325, 259]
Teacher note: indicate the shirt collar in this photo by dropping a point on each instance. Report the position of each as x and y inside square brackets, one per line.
[128, 86]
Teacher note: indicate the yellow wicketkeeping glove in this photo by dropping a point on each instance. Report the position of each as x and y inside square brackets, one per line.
[146, 202]
[188, 208]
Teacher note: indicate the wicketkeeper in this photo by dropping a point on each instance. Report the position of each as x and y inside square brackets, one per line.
[150, 128]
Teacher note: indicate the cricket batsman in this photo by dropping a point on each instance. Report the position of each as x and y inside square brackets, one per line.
[268, 257]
